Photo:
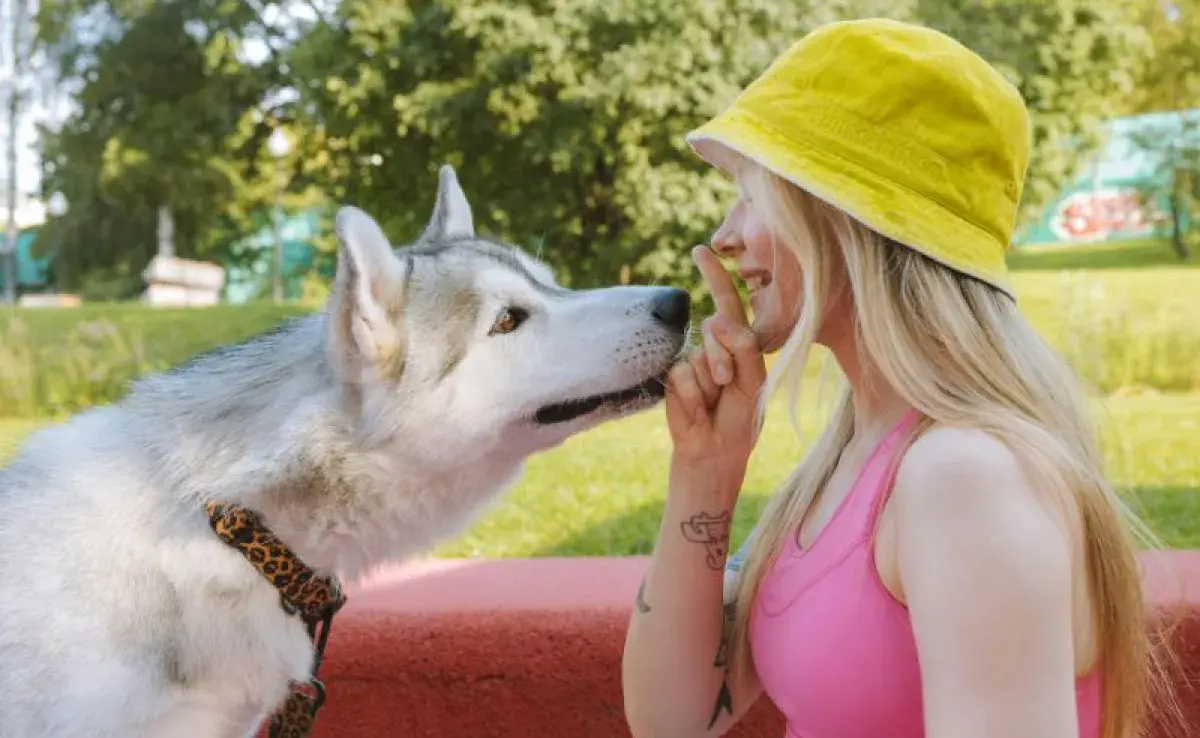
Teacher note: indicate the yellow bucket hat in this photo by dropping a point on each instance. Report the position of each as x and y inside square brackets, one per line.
[900, 126]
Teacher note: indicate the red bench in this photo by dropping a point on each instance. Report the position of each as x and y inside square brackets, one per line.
[532, 648]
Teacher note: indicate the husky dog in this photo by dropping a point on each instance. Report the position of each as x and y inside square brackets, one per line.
[362, 434]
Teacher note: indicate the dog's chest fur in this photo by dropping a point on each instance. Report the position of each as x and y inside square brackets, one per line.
[162, 628]
[361, 435]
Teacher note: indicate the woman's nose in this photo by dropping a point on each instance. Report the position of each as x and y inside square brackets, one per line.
[727, 241]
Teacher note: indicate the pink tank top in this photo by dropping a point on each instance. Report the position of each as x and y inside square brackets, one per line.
[833, 648]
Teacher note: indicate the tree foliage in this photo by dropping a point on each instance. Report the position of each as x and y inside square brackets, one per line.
[1075, 63]
[565, 118]
[166, 114]
[1170, 81]
[1169, 78]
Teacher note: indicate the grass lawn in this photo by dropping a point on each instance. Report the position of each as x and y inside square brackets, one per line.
[1122, 315]
[166, 336]
[54, 362]
[1129, 255]
[602, 493]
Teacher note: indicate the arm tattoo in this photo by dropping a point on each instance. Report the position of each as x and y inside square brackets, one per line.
[642, 606]
[729, 612]
[724, 702]
[725, 695]
[712, 532]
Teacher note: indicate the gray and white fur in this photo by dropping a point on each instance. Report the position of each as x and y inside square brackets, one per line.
[363, 434]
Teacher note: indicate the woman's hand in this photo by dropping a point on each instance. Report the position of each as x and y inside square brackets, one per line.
[712, 398]
[668, 671]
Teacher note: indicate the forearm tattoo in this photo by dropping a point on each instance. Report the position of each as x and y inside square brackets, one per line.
[725, 695]
[728, 612]
[642, 606]
[724, 702]
[712, 532]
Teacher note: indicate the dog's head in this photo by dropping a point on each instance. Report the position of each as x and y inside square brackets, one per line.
[464, 347]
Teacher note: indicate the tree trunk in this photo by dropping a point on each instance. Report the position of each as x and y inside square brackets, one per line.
[1178, 243]
[19, 17]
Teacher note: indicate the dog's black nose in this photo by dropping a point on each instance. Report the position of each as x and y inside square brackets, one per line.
[673, 308]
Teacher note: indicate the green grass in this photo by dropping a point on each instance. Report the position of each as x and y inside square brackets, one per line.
[602, 493]
[1131, 255]
[57, 361]
[167, 335]
[1120, 328]
[1124, 316]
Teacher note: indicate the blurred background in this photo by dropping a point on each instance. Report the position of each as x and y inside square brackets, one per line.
[170, 168]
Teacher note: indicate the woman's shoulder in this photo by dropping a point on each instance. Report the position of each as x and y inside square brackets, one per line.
[944, 456]
[986, 571]
[958, 485]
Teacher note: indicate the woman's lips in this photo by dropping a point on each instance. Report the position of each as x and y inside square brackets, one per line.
[755, 279]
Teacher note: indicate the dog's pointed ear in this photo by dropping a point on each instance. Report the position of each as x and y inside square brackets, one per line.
[451, 212]
[368, 290]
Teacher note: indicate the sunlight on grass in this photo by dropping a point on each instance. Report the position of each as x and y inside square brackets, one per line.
[1128, 255]
[602, 493]
[1124, 316]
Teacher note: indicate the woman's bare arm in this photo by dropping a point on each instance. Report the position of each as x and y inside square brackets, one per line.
[986, 572]
[676, 666]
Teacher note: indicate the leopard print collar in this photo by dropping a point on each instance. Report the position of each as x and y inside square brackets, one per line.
[302, 592]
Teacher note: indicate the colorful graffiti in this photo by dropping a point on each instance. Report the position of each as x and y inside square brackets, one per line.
[1105, 214]
[1119, 194]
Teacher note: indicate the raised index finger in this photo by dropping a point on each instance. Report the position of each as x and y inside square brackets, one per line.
[724, 293]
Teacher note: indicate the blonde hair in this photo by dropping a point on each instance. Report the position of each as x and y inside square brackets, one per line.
[960, 352]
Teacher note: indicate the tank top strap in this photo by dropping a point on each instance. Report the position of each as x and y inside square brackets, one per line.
[874, 483]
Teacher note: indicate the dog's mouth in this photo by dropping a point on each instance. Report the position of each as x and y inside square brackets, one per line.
[654, 388]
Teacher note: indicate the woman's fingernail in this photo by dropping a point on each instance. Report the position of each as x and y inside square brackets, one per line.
[721, 374]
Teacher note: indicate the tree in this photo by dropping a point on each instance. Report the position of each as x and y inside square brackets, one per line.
[18, 21]
[1075, 63]
[566, 119]
[1169, 77]
[167, 131]
[1169, 81]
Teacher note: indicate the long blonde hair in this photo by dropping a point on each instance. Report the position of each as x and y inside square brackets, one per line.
[960, 352]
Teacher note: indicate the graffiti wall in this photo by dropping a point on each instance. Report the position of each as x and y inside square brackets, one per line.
[1119, 195]
[1106, 214]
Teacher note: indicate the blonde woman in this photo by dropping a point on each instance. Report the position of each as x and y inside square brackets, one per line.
[948, 560]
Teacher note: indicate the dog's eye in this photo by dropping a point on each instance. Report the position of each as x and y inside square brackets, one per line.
[508, 320]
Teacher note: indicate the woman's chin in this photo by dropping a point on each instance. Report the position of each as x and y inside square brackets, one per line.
[771, 328]
[769, 340]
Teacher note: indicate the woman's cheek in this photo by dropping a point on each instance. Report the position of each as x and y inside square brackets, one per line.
[760, 244]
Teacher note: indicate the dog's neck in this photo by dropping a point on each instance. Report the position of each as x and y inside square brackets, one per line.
[265, 425]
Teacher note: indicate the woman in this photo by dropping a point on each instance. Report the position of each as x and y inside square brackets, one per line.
[948, 560]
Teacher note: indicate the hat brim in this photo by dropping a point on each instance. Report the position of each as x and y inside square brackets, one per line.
[883, 205]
